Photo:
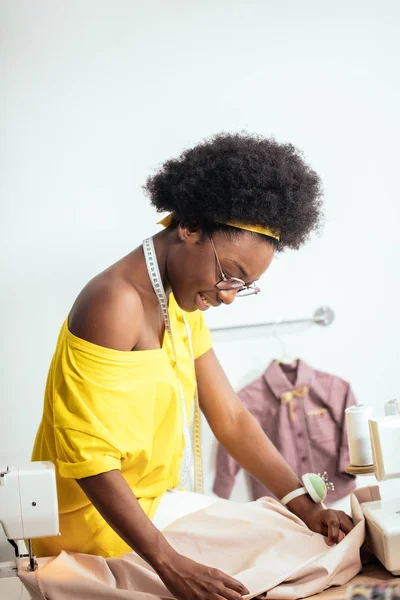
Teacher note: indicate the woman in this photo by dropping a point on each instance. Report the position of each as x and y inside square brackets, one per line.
[126, 366]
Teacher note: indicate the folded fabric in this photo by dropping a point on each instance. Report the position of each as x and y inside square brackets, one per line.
[261, 544]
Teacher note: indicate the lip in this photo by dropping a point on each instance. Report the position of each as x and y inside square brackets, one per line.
[200, 304]
[212, 304]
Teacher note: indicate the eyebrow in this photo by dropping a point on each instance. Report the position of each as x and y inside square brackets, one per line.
[239, 266]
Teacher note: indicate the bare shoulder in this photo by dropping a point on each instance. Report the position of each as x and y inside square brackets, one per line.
[108, 312]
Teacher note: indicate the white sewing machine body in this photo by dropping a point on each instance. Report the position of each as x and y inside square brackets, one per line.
[383, 516]
[28, 509]
[11, 587]
[383, 531]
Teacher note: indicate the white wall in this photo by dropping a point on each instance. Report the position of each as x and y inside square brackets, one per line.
[96, 93]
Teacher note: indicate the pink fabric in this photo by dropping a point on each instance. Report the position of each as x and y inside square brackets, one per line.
[313, 442]
[260, 543]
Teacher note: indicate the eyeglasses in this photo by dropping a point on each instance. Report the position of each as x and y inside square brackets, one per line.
[227, 284]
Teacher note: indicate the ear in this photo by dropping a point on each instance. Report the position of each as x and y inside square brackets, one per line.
[189, 235]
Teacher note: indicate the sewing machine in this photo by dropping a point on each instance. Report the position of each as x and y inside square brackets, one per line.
[383, 516]
[28, 509]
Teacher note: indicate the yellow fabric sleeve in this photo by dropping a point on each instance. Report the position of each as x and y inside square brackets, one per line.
[99, 409]
[92, 455]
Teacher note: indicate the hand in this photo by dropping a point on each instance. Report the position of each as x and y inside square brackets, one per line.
[190, 580]
[333, 523]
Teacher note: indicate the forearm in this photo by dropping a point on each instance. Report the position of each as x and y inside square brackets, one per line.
[115, 501]
[252, 449]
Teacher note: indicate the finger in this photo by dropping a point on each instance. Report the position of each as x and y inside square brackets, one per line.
[234, 584]
[333, 530]
[321, 528]
[225, 592]
[346, 524]
[229, 595]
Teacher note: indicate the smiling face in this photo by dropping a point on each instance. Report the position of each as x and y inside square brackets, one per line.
[193, 269]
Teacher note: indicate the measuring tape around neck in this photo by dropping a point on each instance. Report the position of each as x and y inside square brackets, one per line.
[155, 278]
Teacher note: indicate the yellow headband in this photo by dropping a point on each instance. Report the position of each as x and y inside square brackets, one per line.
[274, 233]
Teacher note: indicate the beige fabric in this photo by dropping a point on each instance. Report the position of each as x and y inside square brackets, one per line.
[260, 543]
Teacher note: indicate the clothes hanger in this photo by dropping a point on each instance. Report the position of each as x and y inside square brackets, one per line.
[285, 358]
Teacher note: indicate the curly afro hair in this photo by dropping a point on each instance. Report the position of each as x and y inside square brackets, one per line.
[243, 178]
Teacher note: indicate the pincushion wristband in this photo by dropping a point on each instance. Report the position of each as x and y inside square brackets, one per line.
[316, 486]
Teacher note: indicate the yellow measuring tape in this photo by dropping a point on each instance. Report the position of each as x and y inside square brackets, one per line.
[198, 459]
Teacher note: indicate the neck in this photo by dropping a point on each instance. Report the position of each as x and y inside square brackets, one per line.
[162, 242]
[134, 267]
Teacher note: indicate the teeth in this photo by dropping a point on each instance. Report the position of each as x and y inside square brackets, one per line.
[204, 300]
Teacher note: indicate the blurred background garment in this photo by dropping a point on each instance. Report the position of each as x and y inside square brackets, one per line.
[301, 410]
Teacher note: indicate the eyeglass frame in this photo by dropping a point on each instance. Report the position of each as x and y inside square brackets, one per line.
[237, 284]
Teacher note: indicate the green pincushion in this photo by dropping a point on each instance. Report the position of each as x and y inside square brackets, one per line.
[316, 486]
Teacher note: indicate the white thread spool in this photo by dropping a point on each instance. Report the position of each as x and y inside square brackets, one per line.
[358, 435]
[392, 407]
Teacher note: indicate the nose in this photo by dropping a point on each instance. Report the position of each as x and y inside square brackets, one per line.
[227, 296]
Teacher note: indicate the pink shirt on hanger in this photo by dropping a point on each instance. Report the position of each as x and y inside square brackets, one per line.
[301, 410]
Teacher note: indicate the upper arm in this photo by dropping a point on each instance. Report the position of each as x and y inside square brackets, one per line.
[218, 400]
[109, 314]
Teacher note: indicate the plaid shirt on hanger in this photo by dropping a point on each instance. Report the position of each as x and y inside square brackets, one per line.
[302, 412]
